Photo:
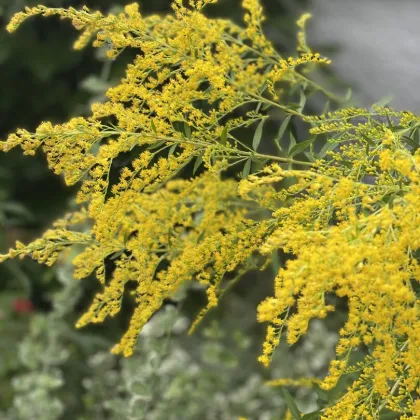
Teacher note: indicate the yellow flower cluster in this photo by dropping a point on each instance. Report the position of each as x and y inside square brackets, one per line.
[351, 219]
[369, 256]
[285, 65]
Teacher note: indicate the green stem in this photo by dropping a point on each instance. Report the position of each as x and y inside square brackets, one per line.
[272, 103]
[276, 158]
[228, 149]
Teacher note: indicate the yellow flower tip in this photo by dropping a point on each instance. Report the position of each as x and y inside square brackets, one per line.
[125, 348]
[199, 318]
[16, 21]
[116, 349]
[128, 352]
[301, 22]
[132, 10]
[268, 310]
[244, 188]
[82, 40]
[264, 360]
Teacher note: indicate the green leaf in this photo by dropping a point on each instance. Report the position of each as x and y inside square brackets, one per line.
[328, 146]
[412, 143]
[290, 402]
[391, 415]
[283, 128]
[275, 262]
[293, 107]
[153, 126]
[390, 124]
[385, 100]
[94, 84]
[292, 143]
[172, 150]
[300, 147]
[156, 145]
[187, 130]
[197, 164]
[302, 101]
[117, 254]
[257, 135]
[310, 156]
[16, 209]
[315, 415]
[321, 393]
[326, 108]
[247, 168]
[348, 94]
[223, 137]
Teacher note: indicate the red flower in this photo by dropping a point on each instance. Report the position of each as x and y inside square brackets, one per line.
[22, 306]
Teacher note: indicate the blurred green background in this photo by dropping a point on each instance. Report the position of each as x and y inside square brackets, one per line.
[49, 370]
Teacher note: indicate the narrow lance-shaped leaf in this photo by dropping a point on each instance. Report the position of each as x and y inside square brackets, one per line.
[257, 135]
[310, 153]
[412, 143]
[197, 164]
[282, 129]
[326, 108]
[348, 94]
[247, 168]
[315, 415]
[322, 394]
[172, 150]
[292, 143]
[153, 126]
[300, 147]
[385, 100]
[223, 136]
[275, 262]
[290, 402]
[302, 101]
[156, 145]
[390, 123]
[187, 130]
[328, 146]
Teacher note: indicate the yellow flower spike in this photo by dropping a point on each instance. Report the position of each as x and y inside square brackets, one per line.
[301, 22]
[301, 35]
[301, 382]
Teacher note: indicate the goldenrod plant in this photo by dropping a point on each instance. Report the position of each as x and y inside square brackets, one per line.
[346, 212]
